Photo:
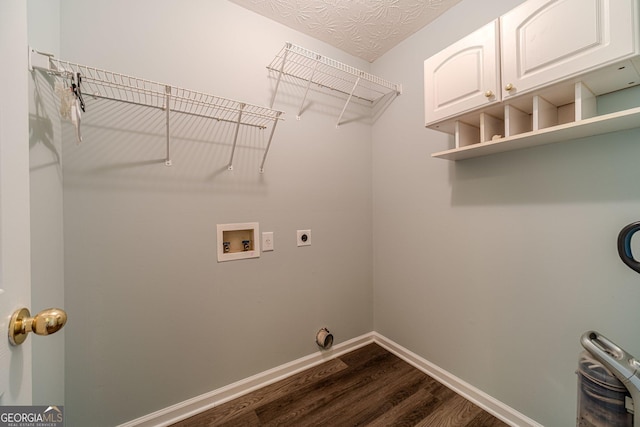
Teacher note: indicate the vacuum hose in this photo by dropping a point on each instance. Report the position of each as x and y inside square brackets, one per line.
[624, 245]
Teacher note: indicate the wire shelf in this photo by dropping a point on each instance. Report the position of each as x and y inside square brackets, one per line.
[134, 90]
[328, 73]
[110, 85]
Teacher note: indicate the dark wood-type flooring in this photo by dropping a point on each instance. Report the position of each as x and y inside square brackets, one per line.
[366, 387]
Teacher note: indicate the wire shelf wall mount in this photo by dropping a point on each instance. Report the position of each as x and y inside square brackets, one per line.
[109, 85]
[328, 73]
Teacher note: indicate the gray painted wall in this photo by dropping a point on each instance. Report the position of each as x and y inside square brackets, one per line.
[493, 267]
[154, 318]
[490, 268]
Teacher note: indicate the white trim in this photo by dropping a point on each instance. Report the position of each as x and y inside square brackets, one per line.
[188, 408]
[464, 389]
[191, 407]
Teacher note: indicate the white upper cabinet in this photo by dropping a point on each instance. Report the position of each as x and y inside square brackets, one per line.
[539, 80]
[545, 41]
[464, 76]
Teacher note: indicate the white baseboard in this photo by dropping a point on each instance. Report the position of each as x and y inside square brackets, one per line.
[466, 390]
[191, 407]
[188, 408]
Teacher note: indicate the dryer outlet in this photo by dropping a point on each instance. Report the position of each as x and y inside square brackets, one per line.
[303, 237]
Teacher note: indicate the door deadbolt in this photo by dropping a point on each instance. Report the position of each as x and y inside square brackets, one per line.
[46, 322]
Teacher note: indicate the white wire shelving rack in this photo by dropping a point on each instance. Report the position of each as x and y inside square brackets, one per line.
[114, 86]
[328, 73]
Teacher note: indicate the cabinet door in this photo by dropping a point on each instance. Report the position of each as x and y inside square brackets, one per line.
[463, 76]
[546, 41]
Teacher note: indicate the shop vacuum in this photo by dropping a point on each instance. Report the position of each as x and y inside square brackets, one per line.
[608, 384]
[608, 376]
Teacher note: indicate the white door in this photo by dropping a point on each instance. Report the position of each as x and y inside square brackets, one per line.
[15, 265]
[544, 41]
[464, 76]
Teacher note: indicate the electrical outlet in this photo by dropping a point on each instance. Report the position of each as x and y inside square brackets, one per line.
[304, 237]
[267, 241]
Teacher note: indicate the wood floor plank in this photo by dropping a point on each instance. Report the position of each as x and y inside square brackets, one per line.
[408, 412]
[364, 404]
[485, 419]
[330, 392]
[366, 387]
[246, 419]
[455, 412]
[265, 395]
[387, 396]
[436, 395]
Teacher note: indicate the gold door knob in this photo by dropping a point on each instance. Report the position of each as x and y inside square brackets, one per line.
[488, 94]
[46, 322]
[508, 87]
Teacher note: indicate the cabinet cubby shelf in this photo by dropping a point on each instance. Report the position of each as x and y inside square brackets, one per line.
[598, 125]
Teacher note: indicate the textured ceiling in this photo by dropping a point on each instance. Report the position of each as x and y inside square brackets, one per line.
[363, 28]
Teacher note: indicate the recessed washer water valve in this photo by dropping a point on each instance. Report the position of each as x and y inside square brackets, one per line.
[238, 241]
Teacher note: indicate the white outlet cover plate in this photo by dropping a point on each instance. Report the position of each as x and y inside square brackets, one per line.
[267, 241]
[302, 241]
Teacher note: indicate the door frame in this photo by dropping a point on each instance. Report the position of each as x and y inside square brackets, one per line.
[15, 230]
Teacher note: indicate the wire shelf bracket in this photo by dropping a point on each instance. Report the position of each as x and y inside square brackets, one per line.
[327, 73]
[109, 85]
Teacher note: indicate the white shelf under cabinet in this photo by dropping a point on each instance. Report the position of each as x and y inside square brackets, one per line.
[622, 120]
